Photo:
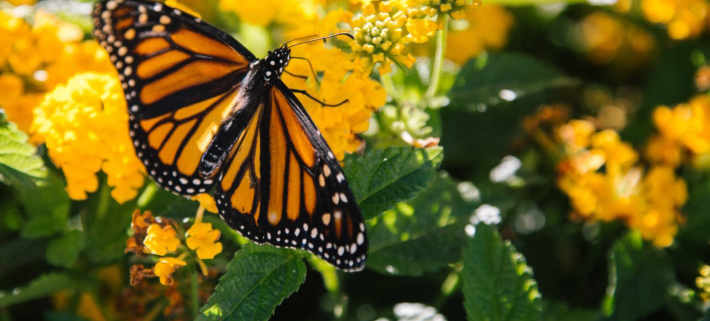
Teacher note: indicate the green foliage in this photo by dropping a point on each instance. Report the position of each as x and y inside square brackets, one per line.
[422, 235]
[381, 178]
[47, 207]
[44, 285]
[483, 82]
[256, 281]
[20, 166]
[64, 250]
[497, 283]
[640, 278]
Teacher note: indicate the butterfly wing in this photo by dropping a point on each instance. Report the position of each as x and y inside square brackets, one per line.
[282, 185]
[180, 77]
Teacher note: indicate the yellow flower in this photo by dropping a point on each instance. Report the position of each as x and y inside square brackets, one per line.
[203, 238]
[647, 202]
[165, 268]
[84, 125]
[683, 18]
[703, 282]
[41, 56]
[485, 27]
[206, 201]
[686, 127]
[161, 240]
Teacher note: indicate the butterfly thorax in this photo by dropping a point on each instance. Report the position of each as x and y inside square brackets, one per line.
[272, 66]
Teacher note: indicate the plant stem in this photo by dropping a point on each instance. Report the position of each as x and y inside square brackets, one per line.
[194, 291]
[438, 62]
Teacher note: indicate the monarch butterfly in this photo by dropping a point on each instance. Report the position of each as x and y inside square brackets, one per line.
[204, 113]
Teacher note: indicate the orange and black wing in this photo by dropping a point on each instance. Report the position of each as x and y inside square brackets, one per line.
[282, 185]
[180, 77]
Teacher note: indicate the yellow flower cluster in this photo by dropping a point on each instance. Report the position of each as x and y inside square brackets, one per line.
[486, 27]
[35, 58]
[340, 81]
[683, 18]
[266, 12]
[604, 181]
[83, 124]
[158, 236]
[383, 32]
[606, 38]
[683, 133]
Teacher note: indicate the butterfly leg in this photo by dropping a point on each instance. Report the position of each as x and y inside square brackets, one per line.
[313, 71]
[323, 104]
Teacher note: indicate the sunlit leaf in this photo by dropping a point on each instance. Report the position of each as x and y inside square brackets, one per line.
[257, 280]
[497, 283]
[383, 177]
[421, 235]
[20, 166]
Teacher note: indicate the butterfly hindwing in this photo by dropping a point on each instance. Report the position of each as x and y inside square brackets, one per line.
[180, 77]
[284, 186]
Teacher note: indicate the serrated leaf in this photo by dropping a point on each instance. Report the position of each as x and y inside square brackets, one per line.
[384, 177]
[497, 283]
[502, 77]
[42, 286]
[257, 280]
[47, 207]
[640, 278]
[422, 235]
[20, 166]
[64, 250]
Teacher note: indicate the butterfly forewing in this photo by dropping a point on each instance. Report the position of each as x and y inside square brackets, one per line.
[180, 78]
[291, 191]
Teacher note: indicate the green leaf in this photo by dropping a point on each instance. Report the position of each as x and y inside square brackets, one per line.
[422, 235]
[485, 81]
[20, 166]
[497, 283]
[640, 278]
[47, 207]
[62, 316]
[106, 226]
[65, 249]
[42, 286]
[384, 177]
[257, 280]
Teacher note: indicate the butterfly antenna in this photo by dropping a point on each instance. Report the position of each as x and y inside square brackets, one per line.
[322, 38]
[297, 39]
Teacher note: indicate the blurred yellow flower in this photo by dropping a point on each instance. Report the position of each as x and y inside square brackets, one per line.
[607, 38]
[266, 12]
[83, 124]
[703, 282]
[203, 238]
[165, 268]
[485, 27]
[685, 128]
[161, 240]
[35, 58]
[683, 18]
[601, 176]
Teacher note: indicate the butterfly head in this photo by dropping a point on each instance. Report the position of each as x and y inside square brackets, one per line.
[274, 63]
